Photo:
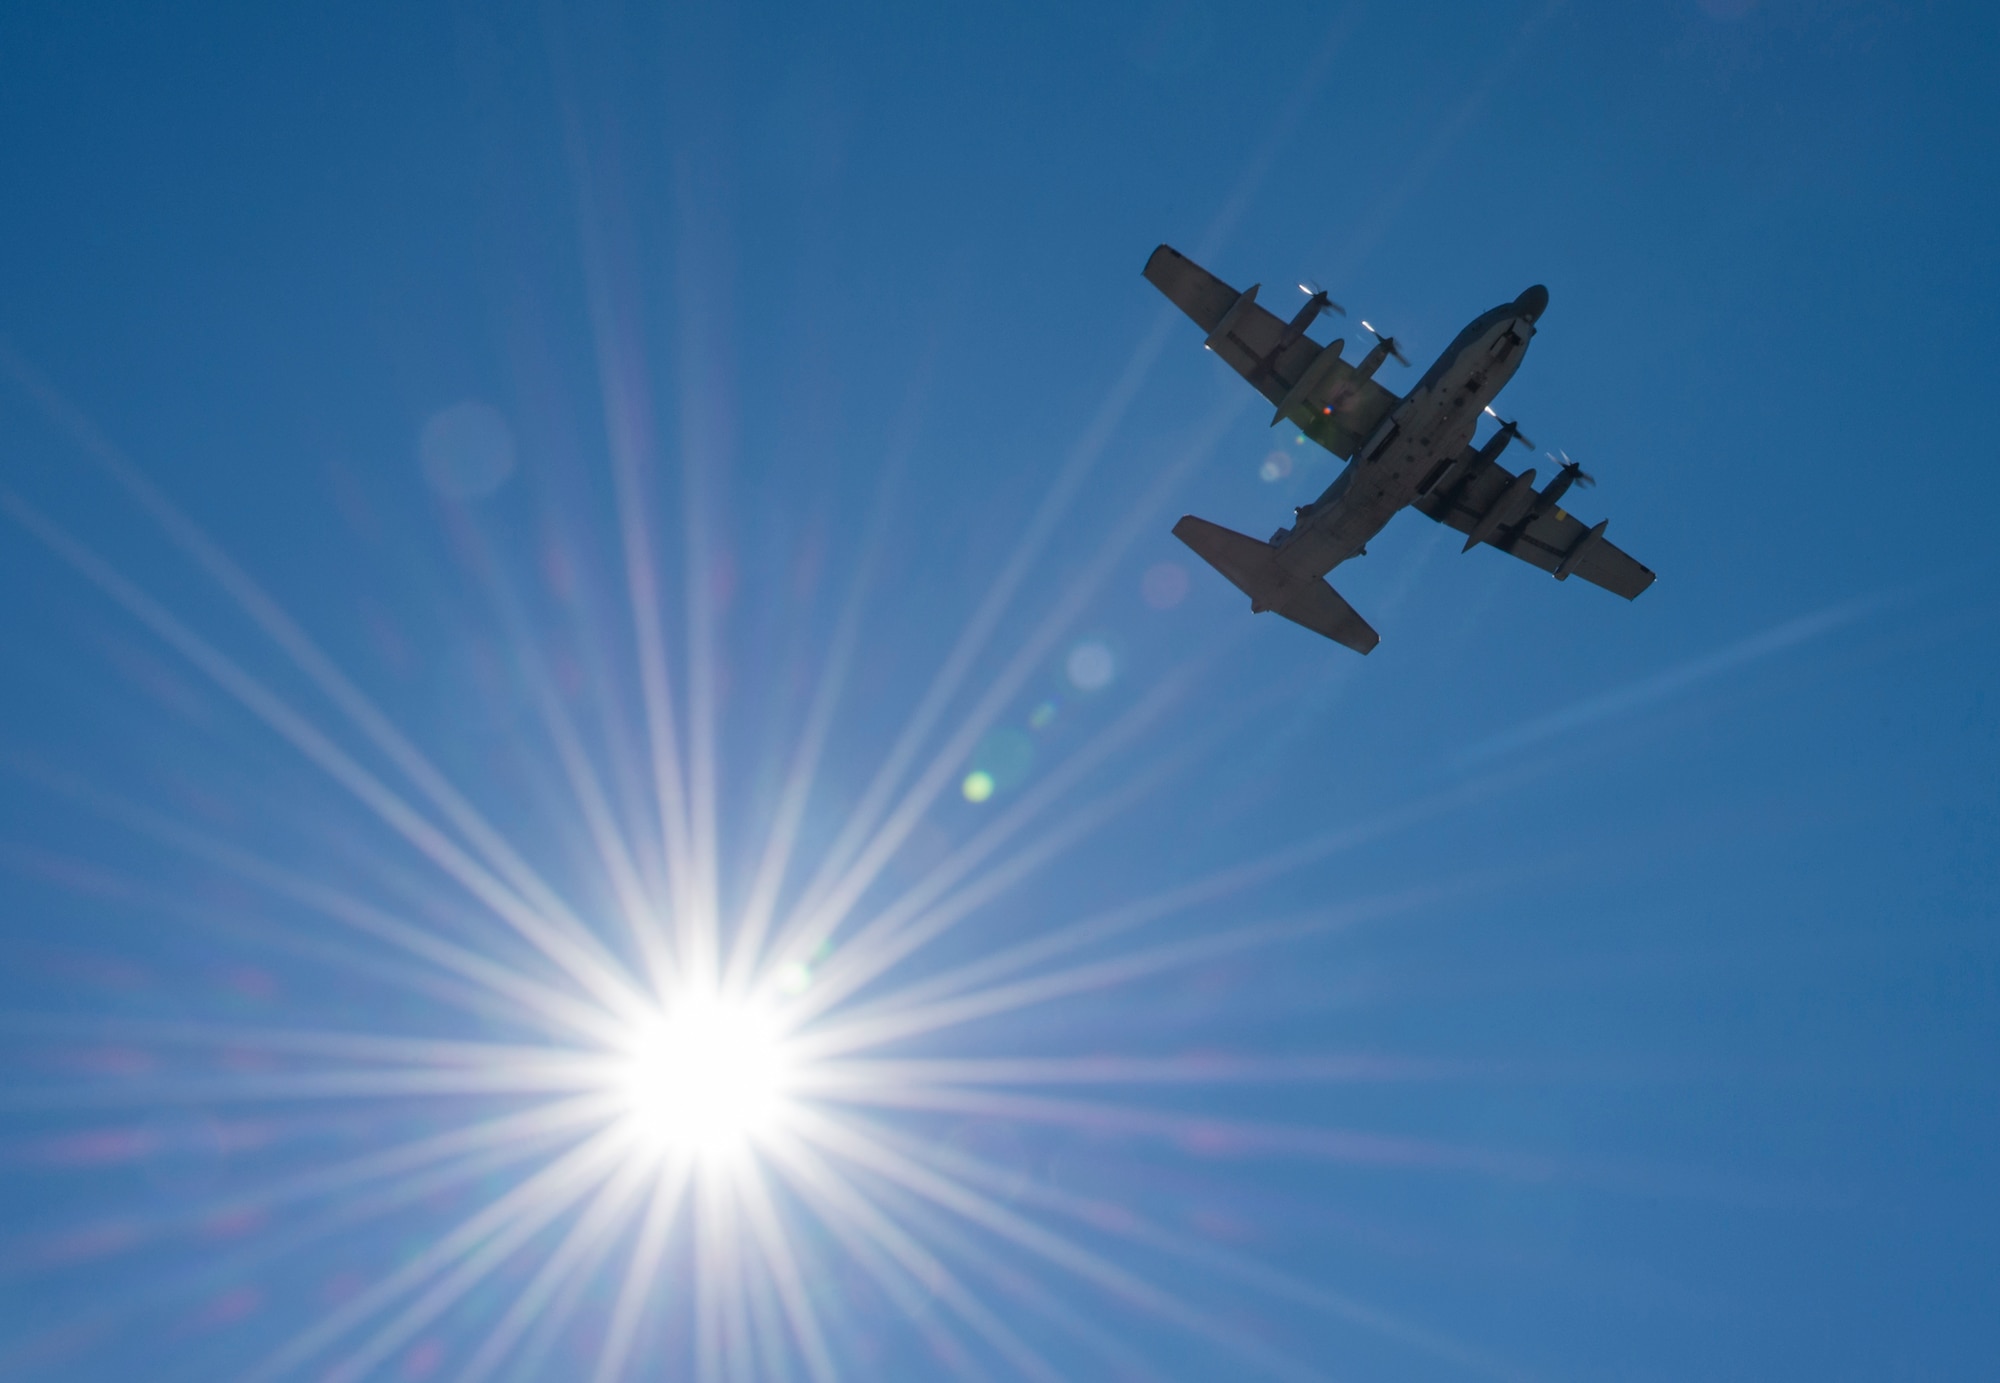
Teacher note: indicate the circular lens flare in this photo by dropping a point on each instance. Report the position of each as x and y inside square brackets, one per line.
[706, 1075]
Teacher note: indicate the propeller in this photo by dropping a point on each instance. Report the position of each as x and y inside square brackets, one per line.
[1317, 294]
[1518, 435]
[1388, 343]
[1574, 470]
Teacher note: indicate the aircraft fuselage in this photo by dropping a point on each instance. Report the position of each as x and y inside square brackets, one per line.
[1415, 447]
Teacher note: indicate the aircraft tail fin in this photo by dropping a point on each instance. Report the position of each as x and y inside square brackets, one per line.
[1253, 568]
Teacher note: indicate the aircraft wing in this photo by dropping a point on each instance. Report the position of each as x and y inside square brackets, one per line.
[1338, 408]
[1549, 539]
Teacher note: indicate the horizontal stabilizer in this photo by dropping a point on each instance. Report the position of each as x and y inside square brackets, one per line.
[1253, 568]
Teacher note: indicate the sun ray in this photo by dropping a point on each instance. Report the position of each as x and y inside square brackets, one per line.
[889, 1021]
[737, 1344]
[850, 1144]
[642, 1270]
[1214, 887]
[498, 1002]
[614, 851]
[627, 763]
[1110, 1217]
[848, 1211]
[975, 632]
[1202, 1068]
[781, 837]
[550, 1076]
[906, 1294]
[631, 437]
[579, 1163]
[534, 998]
[714, 1260]
[279, 626]
[550, 1327]
[905, 924]
[638, 911]
[516, 1136]
[779, 1259]
[767, 1357]
[701, 351]
[877, 949]
[570, 949]
[411, 1173]
[381, 1047]
[825, 915]
[1213, 1136]
[538, 1000]
[582, 1251]
[1023, 1288]
[443, 1295]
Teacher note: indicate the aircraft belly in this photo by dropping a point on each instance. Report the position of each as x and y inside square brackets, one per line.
[1435, 423]
[1336, 533]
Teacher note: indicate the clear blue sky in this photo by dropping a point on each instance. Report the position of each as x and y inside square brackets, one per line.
[1569, 990]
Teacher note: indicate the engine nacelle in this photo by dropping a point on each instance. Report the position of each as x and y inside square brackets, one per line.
[1497, 443]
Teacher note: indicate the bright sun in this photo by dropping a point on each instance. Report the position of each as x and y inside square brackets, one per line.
[706, 1075]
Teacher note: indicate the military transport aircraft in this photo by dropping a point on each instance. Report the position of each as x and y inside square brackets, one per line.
[1414, 450]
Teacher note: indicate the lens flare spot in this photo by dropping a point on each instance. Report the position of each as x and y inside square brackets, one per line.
[466, 450]
[1090, 666]
[1006, 756]
[1164, 585]
[978, 785]
[1276, 467]
[1043, 716]
[707, 1075]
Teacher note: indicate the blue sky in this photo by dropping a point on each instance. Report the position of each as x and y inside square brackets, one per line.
[1570, 989]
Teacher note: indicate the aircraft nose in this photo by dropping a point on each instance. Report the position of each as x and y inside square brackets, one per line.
[1533, 302]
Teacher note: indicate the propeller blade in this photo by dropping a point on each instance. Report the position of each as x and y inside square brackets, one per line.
[1311, 289]
[1388, 344]
[1579, 476]
[1519, 436]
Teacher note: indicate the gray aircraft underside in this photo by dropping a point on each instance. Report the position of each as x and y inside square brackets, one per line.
[1410, 451]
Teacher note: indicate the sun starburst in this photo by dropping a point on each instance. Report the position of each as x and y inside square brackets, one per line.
[707, 1073]
[657, 1124]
